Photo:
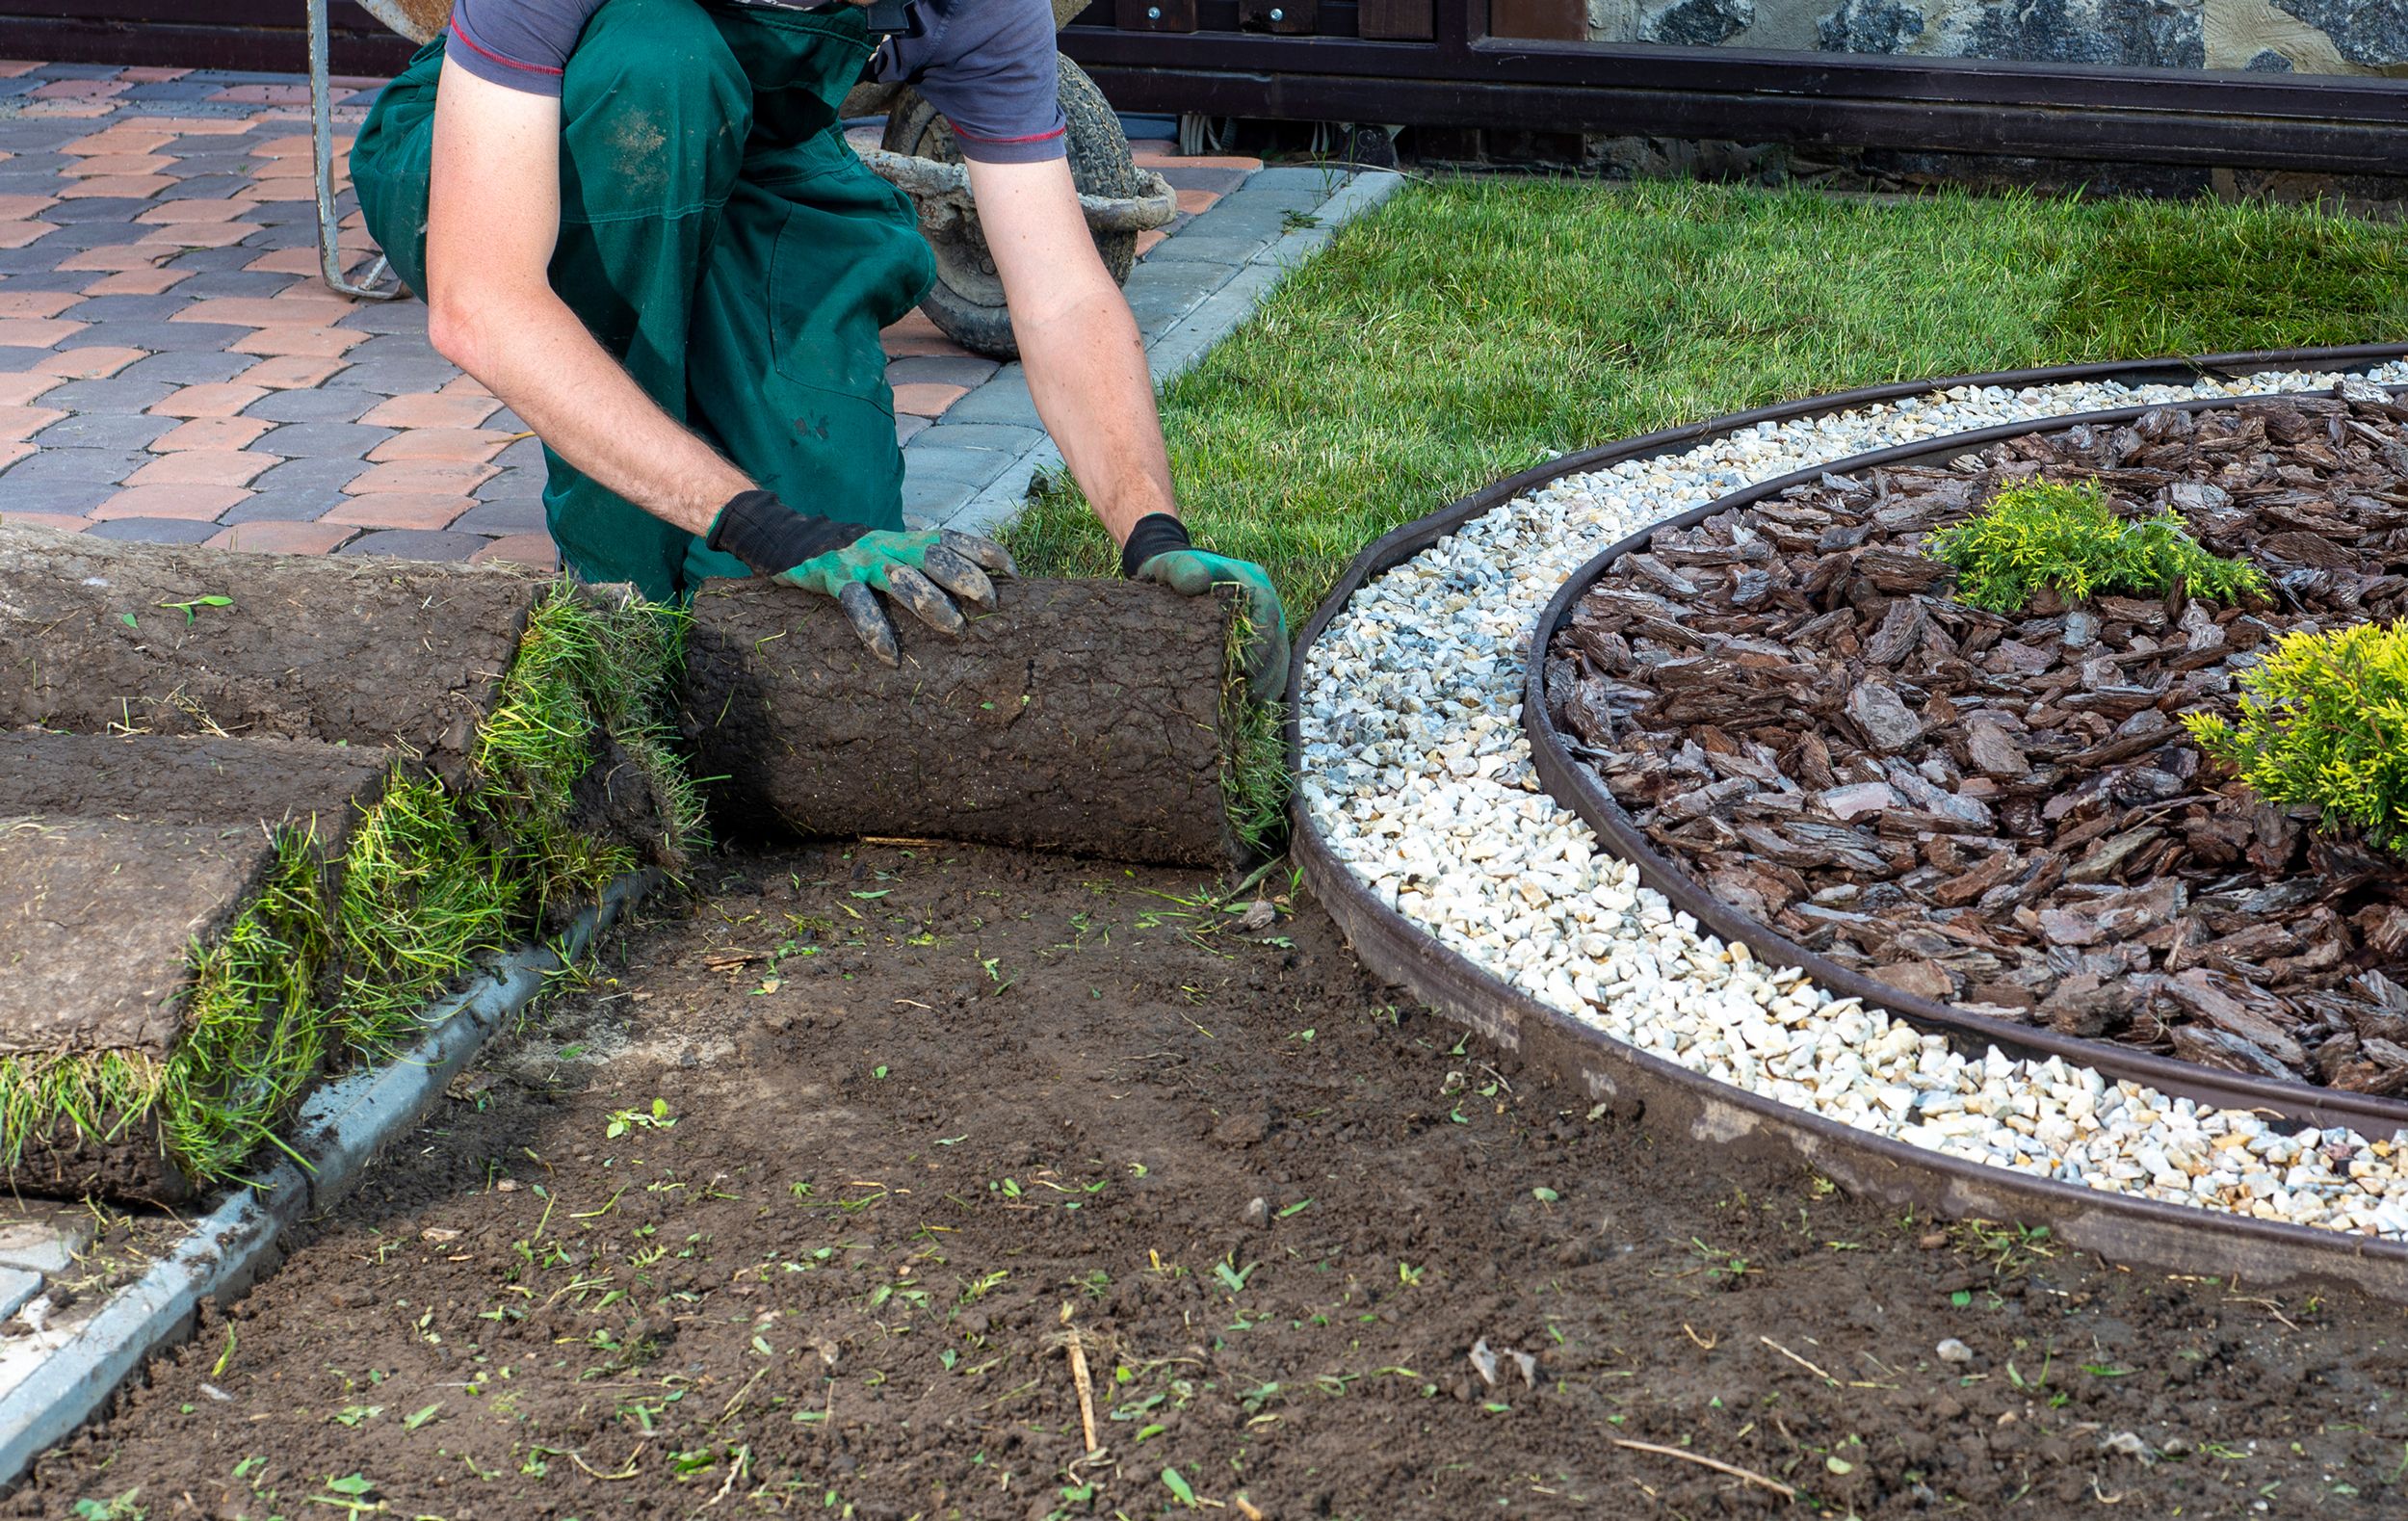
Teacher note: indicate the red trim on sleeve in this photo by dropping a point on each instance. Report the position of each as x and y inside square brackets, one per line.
[505, 63]
[1034, 137]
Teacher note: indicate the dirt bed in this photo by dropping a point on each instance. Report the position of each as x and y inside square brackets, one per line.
[794, 1207]
[2004, 812]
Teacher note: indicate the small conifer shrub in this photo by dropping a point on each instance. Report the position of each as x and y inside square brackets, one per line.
[2062, 534]
[2324, 723]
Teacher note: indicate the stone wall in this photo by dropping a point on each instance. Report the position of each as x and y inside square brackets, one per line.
[2308, 36]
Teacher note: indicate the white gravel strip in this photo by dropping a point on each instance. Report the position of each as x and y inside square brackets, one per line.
[1416, 772]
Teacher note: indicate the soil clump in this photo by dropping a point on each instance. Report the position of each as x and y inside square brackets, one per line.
[2003, 811]
[799, 1203]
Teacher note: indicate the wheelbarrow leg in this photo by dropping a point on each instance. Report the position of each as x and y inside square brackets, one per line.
[322, 153]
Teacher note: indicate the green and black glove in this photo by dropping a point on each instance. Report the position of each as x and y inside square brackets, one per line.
[1157, 550]
[848, 561]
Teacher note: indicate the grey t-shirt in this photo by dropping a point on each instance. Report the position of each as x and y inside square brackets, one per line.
[988, 65]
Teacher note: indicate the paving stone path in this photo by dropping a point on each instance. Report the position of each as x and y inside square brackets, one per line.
[172, 369]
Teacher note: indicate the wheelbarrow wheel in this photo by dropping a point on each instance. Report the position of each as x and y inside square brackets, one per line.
[967, 301]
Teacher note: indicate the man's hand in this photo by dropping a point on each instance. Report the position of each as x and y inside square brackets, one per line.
[844, 562]
[1157, 550]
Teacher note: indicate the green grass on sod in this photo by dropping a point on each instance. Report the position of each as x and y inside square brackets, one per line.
[1473, 327]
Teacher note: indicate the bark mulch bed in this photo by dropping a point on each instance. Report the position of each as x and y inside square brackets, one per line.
[2004, 812]
[1296, 1231]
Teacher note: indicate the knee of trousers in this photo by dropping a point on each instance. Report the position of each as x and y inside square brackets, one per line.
[655, 109]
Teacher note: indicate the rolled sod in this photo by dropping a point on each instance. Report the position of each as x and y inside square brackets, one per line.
[1082, 715]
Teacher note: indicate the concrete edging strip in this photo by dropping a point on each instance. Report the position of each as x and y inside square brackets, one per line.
[1227, 296]
[339, 1129]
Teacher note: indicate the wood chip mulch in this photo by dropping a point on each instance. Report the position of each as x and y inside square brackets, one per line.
[2005, 813]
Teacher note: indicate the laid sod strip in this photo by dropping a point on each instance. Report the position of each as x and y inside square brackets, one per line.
[99, 637]
[356, 882]
[1081, 716]
[159, 1006]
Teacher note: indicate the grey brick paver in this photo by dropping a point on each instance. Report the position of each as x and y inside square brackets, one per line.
[78, 466]
[153, 529]
[160, 338]
[276, 505]
[188, 369]
[113, 431]
[28, 495]
[397, 376]
[415, 544]
[326, 477]
[518, 514]
[334, 403]
[944, 370]
[321, 440]
[112, 395]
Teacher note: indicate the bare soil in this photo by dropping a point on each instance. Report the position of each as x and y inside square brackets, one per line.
[2003, 812]
[924, 1115]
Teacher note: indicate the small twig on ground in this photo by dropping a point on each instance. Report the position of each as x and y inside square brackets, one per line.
[1800, 1362]
[1703, 1343]
[1246, 1507]
[1717, 1464]
[629, 1471]
[1079, 1375]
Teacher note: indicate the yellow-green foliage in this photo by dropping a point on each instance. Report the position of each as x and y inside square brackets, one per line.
[2324, 723]
[2063, 536]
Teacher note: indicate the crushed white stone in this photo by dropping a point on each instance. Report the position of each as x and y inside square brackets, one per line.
[1416, 773]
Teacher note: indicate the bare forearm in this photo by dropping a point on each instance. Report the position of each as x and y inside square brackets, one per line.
[531, 351]
[1085, 364]
[1087, 374]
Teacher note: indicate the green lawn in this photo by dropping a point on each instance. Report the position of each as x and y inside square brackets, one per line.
[1473, 327]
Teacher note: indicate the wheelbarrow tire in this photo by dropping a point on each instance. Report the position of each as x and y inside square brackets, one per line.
[967, 301]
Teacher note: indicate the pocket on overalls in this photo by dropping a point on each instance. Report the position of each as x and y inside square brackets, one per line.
[848, 261]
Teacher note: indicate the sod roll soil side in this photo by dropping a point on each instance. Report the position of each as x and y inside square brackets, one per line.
[1079, 715]
[97, 635]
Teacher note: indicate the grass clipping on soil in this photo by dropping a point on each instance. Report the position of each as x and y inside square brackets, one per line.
[2324, 723]
[306, 976]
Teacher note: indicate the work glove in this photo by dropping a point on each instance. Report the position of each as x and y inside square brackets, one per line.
[1157, 550]
[848, 563]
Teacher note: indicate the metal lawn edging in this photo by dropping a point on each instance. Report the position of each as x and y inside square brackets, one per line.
[338, 1131]
[1674, 1101]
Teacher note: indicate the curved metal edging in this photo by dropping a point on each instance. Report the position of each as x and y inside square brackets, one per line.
[1572, 784]
[1675, 1100]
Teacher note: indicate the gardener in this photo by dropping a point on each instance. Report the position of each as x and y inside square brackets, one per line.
[639, 223]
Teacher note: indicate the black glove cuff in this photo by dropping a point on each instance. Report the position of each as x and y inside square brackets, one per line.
[1156, 534]
[769, 536]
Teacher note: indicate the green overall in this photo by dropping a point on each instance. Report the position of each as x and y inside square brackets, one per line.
[718, 237]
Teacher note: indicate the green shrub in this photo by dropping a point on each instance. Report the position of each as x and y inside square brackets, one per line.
[2063, 536]
[2324, 723]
